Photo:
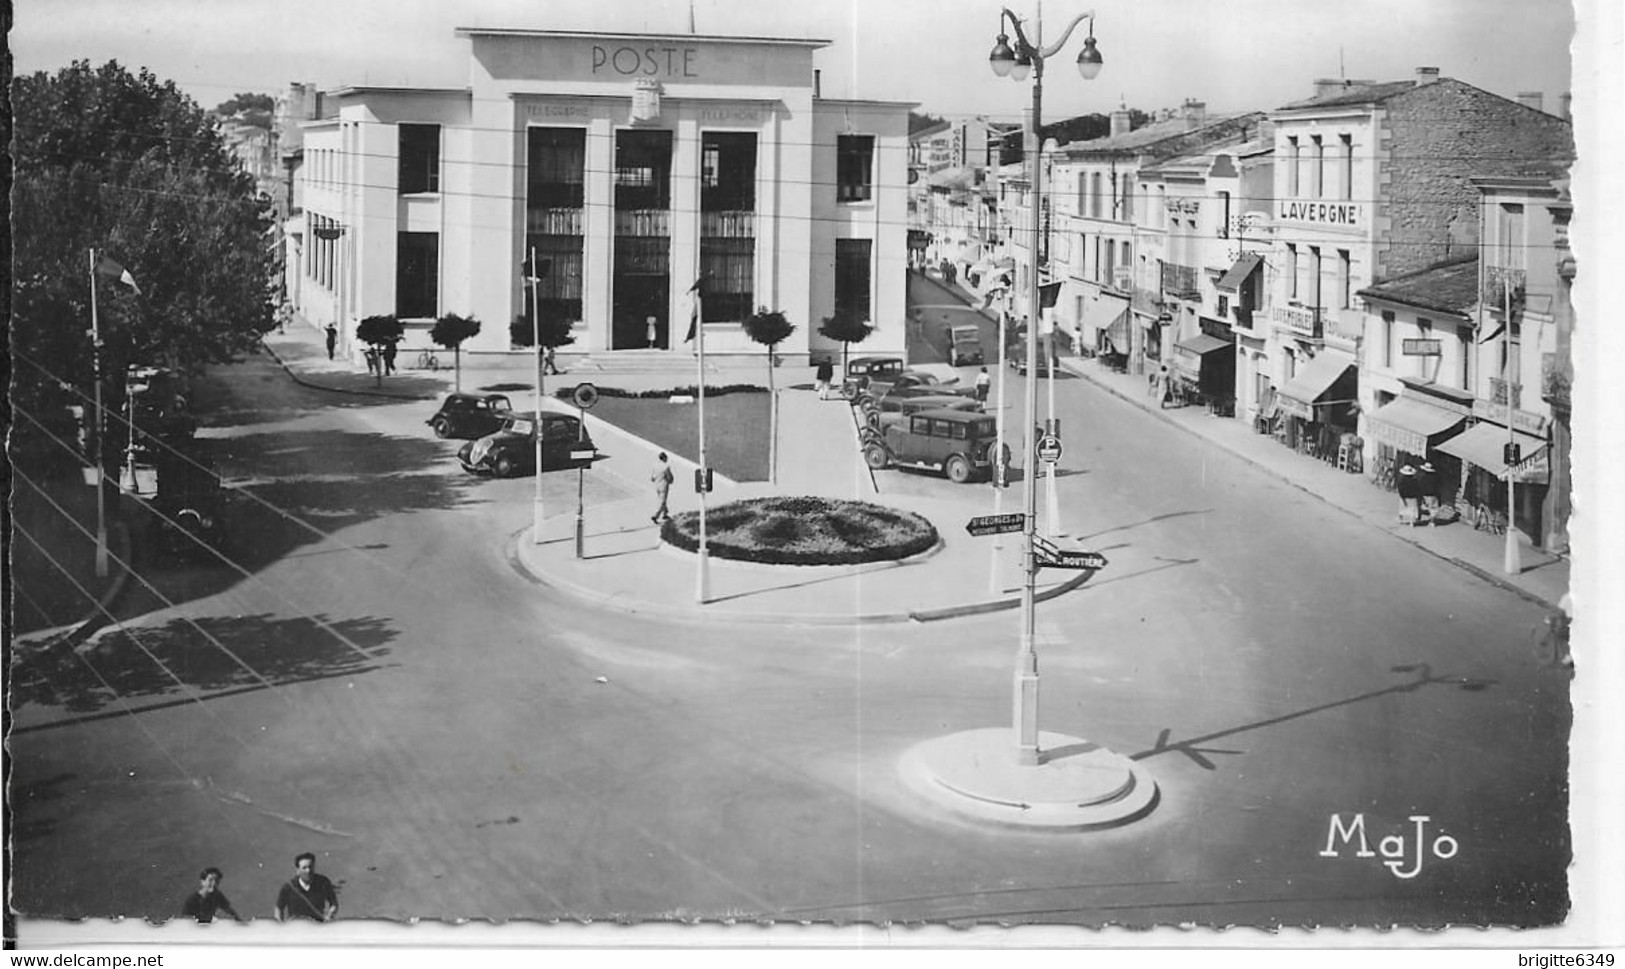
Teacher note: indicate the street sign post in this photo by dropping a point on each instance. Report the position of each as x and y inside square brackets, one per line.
[996, 524]
[1049, 449]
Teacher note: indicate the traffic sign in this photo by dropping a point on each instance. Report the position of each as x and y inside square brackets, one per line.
[1069, 559]
[1049, 449]
[996, 524]
[585, 395]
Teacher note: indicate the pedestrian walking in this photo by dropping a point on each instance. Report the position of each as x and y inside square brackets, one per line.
[332, 339]
[549, 364]
[208, 901]
[389, 358]
[983, 383]
[1427, 481]
[307, 895]
[662, 478]
[1409, 487]
[373, 361]
[824, 376]
[1165, 381]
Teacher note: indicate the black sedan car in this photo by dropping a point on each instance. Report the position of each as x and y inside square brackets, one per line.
[511, 449]
[469, 415]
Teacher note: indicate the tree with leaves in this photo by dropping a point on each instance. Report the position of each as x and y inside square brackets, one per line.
[379, 333]
[770, 328]
[450, 331]
[847, 330]
[128, 165]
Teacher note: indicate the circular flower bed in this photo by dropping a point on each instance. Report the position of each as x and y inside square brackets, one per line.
[804, 531]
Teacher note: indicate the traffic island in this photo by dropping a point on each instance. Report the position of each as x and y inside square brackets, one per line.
[1076, 785]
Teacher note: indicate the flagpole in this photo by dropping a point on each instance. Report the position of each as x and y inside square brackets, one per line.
[702, 588]
[101, 426]
[536, 340]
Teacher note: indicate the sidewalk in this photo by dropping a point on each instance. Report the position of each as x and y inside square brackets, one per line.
[1544, 579]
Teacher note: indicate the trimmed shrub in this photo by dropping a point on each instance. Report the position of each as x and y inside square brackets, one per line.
[800, 530]
[564, 392]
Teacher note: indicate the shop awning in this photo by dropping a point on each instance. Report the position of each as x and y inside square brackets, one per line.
[1411, 424]
[1481, 444]
[1102, 314]
[1188, 353]
[1302, 392]
[1231, 281]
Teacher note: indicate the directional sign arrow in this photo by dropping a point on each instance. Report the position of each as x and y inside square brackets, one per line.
[1068, 559]
[996, 524]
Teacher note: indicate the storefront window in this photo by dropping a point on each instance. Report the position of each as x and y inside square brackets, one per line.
[852, 279]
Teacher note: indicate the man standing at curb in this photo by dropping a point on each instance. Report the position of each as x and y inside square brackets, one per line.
[332, 339]
[307, 895]
[662, 478]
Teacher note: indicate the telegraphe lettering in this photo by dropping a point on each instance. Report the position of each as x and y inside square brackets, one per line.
[729, 114]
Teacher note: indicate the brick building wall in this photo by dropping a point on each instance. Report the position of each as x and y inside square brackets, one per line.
[1433, 140]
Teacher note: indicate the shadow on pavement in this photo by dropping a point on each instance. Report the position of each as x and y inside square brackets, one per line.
[173, 663]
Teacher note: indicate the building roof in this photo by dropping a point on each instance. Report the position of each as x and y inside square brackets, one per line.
[1358, 94]
[603, 35]
[1170, 138]
[1446, 287]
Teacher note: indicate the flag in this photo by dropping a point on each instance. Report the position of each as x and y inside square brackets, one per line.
[694, 313]
[1493, 333]
[113, 270]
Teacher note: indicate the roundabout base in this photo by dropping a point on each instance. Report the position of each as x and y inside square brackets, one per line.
[1076, 785]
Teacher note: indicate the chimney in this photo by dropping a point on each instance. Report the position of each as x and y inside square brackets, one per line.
[1565, 103]
[1532, 99]
[1121, 124]
[1327, 86]
[818, 86]
[1195, 114]
[1426, 75]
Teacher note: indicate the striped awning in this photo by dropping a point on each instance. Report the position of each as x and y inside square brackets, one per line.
[1411, 424]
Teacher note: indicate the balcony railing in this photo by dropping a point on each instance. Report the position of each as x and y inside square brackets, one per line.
[643, 222]
[1498, 392]
[1556, 376]
[553, 222]
[1179, 281]
[734, 224]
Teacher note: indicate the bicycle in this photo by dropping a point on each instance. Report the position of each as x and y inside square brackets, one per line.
[428, 360]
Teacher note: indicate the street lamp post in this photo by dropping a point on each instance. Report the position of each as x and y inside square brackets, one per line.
[1029, 56]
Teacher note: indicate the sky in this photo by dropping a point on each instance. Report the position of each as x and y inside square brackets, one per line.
[1236, 55]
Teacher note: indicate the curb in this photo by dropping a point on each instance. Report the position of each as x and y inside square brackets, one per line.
[305, 382]
[1478, 571]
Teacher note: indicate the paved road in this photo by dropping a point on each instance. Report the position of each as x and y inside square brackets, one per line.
[456, 742]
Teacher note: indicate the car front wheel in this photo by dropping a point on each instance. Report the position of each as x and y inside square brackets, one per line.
[957, 469]
[442, 427]
[504, 466]
[875, 456]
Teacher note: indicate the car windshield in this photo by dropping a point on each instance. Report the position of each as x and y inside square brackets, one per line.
[982, 428]
[497, 402]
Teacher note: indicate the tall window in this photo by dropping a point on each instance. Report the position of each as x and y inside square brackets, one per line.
[1291, 271]
[1224, 215]
[1424, 330]
[728, 224]
[1465, 354]
[420, 158]
[1317, 171]
[417, 275]
[1344, 296]
[1314, 276]
[852, 279]
[1347, 180]
[1388, 339]
[1111, 259]
[555, 176]
[1094, 196]
[1128, 198]
[854, 167]
[1510, 231]
[1292, 166]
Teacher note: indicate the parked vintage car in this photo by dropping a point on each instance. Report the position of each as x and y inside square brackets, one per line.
[893, 409]
[861, 370]
[469, 416]
[511, 449]
[960, 444]
[965, 346]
